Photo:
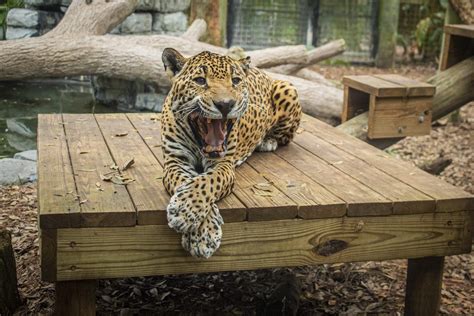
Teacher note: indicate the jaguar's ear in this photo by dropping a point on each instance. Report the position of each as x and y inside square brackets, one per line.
[245, 63]
[173, 61]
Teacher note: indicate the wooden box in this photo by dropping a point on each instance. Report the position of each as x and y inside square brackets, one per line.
[458, 44]
[397, 106]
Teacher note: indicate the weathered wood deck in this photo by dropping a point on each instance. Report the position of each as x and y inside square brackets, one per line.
[333, 199]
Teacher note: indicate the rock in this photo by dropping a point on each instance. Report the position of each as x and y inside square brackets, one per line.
[115, 92]
[42, 3]
[171, 5]
[145, 5]
[32, 19]
[170, 23]
[2, 34]
[22, 127]
[16, 171]
[18, 32]
[137, 23]
[30, 155]
[149, 101]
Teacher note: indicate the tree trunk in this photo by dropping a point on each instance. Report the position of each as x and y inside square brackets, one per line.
[314, 56]
[387, 31]
[464, 9]
[453, 90]
[9, 297]
[196, 30]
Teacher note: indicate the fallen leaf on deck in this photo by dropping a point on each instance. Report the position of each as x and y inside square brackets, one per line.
[300, 130]
[264, 186]
[82, 201]
[83, 152]
[121, 180]
[107, 177]
[121, 134]
[97, 184]
[148, 137]
[114, 167]
[128, 164]
[86, 170]
[264, 193]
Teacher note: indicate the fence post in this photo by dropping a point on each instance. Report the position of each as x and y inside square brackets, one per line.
[387, 26]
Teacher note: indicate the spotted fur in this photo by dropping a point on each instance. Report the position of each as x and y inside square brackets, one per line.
[267, 115]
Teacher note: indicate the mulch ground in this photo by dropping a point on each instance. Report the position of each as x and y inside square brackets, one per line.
[370, 287]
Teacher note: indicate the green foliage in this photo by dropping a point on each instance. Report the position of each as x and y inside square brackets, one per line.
[9, 4]
[429, 30]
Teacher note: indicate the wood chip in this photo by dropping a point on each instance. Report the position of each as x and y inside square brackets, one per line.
[127, 164]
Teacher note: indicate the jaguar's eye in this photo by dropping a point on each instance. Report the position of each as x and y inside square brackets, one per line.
[236, 80]
[200, 80]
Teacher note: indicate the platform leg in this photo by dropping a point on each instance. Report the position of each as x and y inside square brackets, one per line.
[423, 288]
[75, 298]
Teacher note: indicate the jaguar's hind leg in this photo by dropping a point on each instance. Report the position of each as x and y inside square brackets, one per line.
[286, 116]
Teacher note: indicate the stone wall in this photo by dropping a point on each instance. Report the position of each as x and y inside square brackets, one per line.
[150, 17]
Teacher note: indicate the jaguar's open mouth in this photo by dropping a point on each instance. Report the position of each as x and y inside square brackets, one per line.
[211, 134]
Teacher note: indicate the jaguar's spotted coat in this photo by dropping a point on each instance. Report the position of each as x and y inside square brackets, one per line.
[218, 111]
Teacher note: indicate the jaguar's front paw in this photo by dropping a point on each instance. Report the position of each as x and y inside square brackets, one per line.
[204, 241]
[186, 210]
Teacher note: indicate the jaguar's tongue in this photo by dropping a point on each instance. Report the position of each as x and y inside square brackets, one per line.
[215, 135]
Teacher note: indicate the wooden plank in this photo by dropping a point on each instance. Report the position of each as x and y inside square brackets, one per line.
[148, 126]
[460, 30]
[375, 86]
[48, 251]
[75, 298]
[90, 157]
[414, 88]
[404, 198]
[359, 198]
[313, 200]
[100, 252]
[262, 206]
[448, 198]
[58, 205]
[395, 117]
[423, 288]
[444, 64]
[147, 191]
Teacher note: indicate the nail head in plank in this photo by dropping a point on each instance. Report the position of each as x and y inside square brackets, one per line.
[90, 158]
[100, 252]
[58, 205]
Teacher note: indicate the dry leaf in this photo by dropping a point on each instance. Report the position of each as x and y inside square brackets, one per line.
[83, 152]
[300, 130]
[148, 137]
[128, 164]
[122, 180]
[264, 186]
[97, 184]
[263, 193]
[82, 201]
[86, 170]
[114, 167]
[121, 134]
[106, 177]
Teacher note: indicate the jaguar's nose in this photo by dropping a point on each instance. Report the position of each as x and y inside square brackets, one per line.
[225, 106]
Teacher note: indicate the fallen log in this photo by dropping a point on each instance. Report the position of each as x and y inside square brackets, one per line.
[9, 297]
[453, 90]
[62, 53]
[196, 30]
[314, 56]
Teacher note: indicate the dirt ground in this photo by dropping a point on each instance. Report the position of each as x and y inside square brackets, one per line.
[370, 287]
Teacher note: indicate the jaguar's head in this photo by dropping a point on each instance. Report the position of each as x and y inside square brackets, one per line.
[208, 92]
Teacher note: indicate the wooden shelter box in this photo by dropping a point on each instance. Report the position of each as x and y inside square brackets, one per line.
[458, 44]
[397, 106]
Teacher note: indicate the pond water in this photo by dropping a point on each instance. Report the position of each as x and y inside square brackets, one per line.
[21, 102]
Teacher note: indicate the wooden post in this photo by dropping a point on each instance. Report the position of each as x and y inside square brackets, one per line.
[388, 27]
[214, 12]
[9, 297]
[75, 298]
[423, 289]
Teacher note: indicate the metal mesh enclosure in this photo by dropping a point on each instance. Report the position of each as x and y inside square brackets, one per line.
[353, 20]
[256, 24]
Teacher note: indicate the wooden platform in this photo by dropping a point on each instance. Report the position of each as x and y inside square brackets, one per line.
[327, 197]
[323, 174]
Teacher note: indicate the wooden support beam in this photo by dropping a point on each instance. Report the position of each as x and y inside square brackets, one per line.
[156, 249]
[423, 288]
[9, 297]
[75, 298]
